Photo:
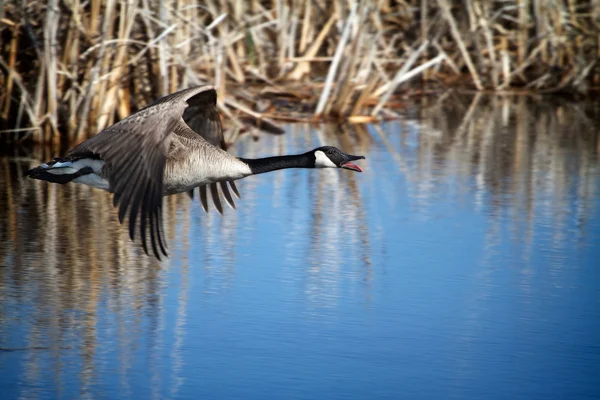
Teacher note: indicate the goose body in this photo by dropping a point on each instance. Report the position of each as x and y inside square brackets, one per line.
[155, 152]
[192, 163]
[194, 117]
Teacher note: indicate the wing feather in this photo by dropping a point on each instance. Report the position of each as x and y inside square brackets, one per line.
[203, 198]
[215, 197]
[205, 122]
[135, 206]
[135, 152]
[227, 195]
[234, 188]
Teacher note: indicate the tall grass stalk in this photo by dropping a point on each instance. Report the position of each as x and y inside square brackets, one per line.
[68, 69]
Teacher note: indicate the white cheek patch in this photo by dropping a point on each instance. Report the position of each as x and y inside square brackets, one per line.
[322, 161]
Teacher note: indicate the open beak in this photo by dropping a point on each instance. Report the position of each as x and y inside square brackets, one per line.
[347, 163]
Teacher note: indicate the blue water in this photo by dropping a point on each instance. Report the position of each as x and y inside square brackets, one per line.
[446, 269]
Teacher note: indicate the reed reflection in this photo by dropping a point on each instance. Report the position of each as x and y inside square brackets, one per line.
[528, 164]
[519, 155]
[71, 279]
[338, 217]
[324, 213]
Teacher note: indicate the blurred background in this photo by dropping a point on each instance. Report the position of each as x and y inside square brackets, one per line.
[462, 263]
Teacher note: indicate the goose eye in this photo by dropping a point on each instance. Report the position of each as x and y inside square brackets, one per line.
[330, 152]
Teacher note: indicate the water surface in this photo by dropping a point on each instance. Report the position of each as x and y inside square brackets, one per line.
[463, 263]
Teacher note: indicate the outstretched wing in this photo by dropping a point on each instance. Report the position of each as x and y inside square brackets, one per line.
[203, 118]
[135, 151]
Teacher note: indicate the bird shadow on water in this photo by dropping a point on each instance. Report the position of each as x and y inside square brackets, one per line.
[76, 290]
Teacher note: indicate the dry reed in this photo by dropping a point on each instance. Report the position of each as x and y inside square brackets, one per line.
[68, 69]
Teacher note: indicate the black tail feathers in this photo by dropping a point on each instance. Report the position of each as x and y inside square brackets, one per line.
[44, 174]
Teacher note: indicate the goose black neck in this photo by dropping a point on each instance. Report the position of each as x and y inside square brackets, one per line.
[267, 164]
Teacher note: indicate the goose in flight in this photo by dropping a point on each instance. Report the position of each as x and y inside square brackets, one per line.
[155, 153]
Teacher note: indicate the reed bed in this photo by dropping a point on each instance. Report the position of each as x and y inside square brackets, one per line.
[70, 68]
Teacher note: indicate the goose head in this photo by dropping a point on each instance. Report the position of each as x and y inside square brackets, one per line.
[332, 157]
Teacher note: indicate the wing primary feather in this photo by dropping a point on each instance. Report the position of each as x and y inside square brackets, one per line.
[130, 178]
[153, 237]
[215, 197]
[153, 195]
[144, 221]
[156, 216]
[143, 229]
[160, 232]
[130, 192]
[203, 198]
[135, 205]
[116, 198]
[157, 232]
[150, 215]
[123, 210]
[155, 198]
[227, 195]
[121, 167]
[234, 188]
[123, 187]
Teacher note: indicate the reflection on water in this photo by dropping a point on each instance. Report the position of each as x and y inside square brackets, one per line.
[461, 263]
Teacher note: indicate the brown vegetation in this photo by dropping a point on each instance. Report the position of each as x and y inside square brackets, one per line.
[70, 68]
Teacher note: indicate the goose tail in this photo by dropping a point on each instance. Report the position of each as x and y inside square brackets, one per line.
[62, 170]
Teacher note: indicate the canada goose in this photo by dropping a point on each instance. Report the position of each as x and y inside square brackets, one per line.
[154, 153]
